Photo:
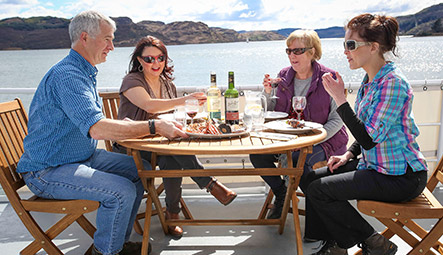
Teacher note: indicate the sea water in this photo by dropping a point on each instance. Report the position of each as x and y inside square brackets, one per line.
[419, 58]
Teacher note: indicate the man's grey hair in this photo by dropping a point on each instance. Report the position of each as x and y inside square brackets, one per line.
[89, 22]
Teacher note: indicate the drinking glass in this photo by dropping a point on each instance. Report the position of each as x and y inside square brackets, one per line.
[274, 90]
[202, 106]
[191, 108]
[299, 104]
[274, 85]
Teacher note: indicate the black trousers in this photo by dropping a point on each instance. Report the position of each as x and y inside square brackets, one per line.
[330, 216]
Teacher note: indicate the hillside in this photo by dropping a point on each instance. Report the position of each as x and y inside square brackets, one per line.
[424, 22]
[52, 32]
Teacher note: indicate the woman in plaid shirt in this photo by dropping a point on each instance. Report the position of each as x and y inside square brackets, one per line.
[391, 167]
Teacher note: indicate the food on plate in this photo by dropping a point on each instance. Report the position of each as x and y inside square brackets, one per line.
[295, 123]
[224, 128]
[208, 127]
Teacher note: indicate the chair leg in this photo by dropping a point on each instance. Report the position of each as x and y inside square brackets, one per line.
[266, 205]
[44, 239]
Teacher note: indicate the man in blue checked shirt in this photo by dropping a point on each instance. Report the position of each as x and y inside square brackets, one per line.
[61, 159]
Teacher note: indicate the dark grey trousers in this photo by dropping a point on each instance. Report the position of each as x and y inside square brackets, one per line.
[173, 188]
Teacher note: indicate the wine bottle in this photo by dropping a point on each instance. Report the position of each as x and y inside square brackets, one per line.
[214, 99]
[231, 102]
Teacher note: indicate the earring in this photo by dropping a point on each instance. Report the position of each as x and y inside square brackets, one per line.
[140, 69]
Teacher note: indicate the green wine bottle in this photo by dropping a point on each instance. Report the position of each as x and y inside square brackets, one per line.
[231, 102]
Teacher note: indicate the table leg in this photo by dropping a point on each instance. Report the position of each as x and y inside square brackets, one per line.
[297, 223]
[145, 242]
[149, 186]
[153, 194]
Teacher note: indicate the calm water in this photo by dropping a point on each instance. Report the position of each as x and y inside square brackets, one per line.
[420, 58]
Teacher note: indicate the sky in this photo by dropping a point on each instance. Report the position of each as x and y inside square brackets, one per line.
[234, 14]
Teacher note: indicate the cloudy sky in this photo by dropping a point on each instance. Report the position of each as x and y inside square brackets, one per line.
[235, 14]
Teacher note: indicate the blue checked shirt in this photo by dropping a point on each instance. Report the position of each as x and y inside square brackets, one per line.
[385, 107]
[64, 107]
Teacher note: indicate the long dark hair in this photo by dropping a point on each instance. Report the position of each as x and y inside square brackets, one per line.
[151, 41]
[377, 28]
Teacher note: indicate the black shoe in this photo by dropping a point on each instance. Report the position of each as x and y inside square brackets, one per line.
[378, 245]
[275, 212]
[332, 248]
[130, 248]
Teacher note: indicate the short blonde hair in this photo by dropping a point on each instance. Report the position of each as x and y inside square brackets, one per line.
[309, 38]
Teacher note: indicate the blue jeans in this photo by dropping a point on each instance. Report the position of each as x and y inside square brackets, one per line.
[107, 177]
[275, 181]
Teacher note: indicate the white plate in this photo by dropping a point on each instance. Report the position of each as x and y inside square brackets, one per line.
[283, 127]
[170, 116]
[209, 136]
[271, 115]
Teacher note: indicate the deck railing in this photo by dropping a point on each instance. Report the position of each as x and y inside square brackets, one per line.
[428, 108]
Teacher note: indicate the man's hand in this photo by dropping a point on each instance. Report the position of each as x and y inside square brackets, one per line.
[169, 129]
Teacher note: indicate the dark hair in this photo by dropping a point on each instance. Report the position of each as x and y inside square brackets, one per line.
[150, 41]
[376, 28]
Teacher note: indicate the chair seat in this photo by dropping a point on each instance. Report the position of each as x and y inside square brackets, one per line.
[39, 204]
[425, 206]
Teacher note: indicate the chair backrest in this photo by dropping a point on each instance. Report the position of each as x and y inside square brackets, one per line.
[436, 177]
[13, 129]
[111, 102]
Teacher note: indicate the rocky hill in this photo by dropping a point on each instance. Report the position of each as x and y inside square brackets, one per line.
[51, 32]
[426, 22]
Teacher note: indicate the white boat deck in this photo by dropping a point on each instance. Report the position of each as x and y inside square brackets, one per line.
[197, 240]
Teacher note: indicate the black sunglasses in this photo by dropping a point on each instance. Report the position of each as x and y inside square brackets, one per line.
[152, 59]
[297, 51]
[352, 45]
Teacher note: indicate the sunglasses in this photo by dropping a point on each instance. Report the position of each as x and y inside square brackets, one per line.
[352, 45]
[297, 51]
[152, 59]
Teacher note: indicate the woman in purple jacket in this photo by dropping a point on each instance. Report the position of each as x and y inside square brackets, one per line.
[303, 78]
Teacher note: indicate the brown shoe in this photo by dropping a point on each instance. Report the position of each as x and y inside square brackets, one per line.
[223, 194]
[175, 231]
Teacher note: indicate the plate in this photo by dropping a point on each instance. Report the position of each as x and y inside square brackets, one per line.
[271, 115]
[210, 136]
[282, 127]
[170, 116]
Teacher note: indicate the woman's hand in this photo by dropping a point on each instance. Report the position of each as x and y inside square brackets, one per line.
[335, 162]
[335, 87]
[267, 81]
[200, 96]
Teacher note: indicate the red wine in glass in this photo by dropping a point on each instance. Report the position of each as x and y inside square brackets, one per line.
[192, 114]
[299, 111]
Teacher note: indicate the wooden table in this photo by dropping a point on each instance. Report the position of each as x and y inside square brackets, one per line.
[247, 144]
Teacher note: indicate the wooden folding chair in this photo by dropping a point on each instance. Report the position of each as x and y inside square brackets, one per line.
[111, 103]
[397, 216]
[13, 129]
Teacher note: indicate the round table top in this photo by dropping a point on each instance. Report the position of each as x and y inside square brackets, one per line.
[252, 143]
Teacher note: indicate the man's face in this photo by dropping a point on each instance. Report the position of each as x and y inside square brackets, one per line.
[99, 47]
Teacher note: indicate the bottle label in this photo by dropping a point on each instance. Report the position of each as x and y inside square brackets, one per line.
[214, 104]
[232, 116]
[232, 104]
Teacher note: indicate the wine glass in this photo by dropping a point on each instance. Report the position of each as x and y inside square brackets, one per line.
[274, 85]
[299, 104]
[191, 108]
[274, 90]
